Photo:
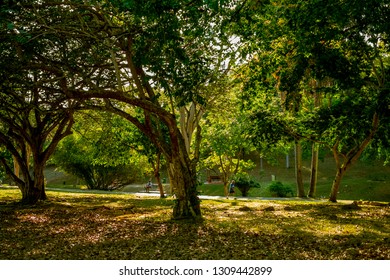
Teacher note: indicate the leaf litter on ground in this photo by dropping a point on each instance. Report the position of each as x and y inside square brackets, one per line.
[91, 227]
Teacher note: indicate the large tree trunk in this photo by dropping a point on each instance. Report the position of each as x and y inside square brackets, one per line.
[314, 170]
[32, 192]
[182, 173]
[184, 186]
[160, 186]
[16, 167]
[33, 188]
[31, 182]
[298, 169]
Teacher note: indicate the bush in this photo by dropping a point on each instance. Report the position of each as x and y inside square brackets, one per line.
[280, 190]
[100, 177]
[244, 185]
[89, 162]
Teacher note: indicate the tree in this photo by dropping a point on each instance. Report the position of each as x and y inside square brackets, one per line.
[244, 184]
[346, 128]
[32, 126]
[34, 115]
[101, 152]
[135, 54]
[344, 42]
[348, 45]
[226, 140]
[30, 132]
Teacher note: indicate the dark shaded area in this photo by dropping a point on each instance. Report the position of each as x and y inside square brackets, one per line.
[116, 227]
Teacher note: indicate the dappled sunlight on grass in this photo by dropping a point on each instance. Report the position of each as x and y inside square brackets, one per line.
[113, 226]
[303, 222]
[154, 214]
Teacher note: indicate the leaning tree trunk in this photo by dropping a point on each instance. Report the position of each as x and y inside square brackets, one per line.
[350, 158]
[160, 186]
[336, 184]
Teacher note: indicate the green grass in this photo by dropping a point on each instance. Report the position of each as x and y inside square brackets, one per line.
[351, 189]
[364, 181]
[123, 226]
[57, 178]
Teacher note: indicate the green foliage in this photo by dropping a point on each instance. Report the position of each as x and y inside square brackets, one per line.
[245, 184]
[346, 119]
[322, 62]
[99, 152]
[270, 129]
[227, 139]
[299, 42]
[279, 189]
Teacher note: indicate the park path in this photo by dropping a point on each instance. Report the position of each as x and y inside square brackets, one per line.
[214, 197]
[157, 194]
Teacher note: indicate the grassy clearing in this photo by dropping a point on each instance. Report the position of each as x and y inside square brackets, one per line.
[114, 226]
[365, 181]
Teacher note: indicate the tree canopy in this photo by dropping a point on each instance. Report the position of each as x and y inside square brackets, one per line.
[319, 62]
[117, 55]
[313, 70]
[34, 113]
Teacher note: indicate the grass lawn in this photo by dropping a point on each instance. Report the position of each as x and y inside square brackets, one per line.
[364, 181]
[124, 226]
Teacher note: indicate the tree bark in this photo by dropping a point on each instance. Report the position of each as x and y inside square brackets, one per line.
[31, 184]
[16, 167]
[33, 188]
[182, 173]
[184, 186]
[350, 158]
[336, 184]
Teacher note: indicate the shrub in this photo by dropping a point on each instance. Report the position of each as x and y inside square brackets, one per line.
[280, 190]
[89, 162]
[244, 185]
[100, 177]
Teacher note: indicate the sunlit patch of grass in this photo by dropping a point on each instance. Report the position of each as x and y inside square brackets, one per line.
[151, 214]
[9, 194]
[123, 226]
